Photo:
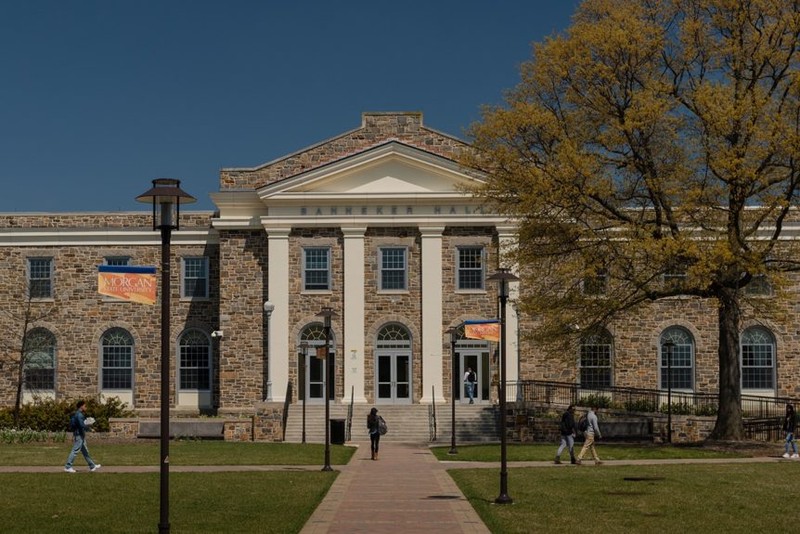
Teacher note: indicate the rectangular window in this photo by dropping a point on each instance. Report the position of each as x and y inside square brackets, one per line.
[681, 365]
[597, 284]
[194, 367]
[757, 366]
[117, 372]
[595, 366]
[40, 278]
[316, 268]
[393, 266]
[759, 286]
[470, 268]
[194, 277]
[117, 260]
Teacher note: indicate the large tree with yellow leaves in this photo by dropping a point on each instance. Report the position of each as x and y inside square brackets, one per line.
[654, 140]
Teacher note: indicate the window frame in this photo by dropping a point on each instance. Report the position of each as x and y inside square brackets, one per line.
[461, 271]
[49, 279]
[382, 270]
[48, 372]
[771, 343]
[599, 342]
[327, 269]
[683, 342]
[203, 372]
[105, 369]
[184, 278]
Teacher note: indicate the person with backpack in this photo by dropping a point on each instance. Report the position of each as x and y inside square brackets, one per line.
[591, 432]
[789, 424]
[469, 384]
[79, 424]
[567, 429]
[376, 426]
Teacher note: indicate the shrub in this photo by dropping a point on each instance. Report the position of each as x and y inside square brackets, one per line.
[53, 415]
[600, 401]
[641, 405]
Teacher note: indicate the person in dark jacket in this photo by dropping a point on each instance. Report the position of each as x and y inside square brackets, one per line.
[79, 424]
[567, 429]
[374, 432]
[789, 424]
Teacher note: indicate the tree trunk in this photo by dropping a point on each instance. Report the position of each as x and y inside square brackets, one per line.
[729, 424]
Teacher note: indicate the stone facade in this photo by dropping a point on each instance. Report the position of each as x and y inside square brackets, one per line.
[392, 182]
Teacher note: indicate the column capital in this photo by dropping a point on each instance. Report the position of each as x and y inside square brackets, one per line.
[431, 231]
[277, 231]
[353, 231]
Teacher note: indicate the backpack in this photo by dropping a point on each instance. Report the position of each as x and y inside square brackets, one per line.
[583, 423]
[382, 428]
[74, 426]
[471, 376]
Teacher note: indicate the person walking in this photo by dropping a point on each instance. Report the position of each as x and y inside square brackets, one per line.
[789, 424]
[469, 384]
[373, 424]
[80, 424]
[591, 433]
[567, 429]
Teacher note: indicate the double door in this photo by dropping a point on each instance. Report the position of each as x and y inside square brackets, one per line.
[393, 377]
[478, 361]
[312, 370]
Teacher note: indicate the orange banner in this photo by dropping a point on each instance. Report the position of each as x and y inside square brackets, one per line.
[132, 284]
[488, 330]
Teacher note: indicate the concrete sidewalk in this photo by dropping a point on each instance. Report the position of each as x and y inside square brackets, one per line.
[405, 490]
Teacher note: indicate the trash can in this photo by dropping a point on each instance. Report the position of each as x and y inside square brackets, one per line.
[337, 431]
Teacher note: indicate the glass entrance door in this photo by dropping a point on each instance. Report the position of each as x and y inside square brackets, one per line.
[393, 380]
[478, 361]
[313, 374]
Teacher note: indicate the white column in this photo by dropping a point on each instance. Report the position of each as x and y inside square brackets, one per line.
[431, 314]
[507, 238]
[353, 343]
[278, 294]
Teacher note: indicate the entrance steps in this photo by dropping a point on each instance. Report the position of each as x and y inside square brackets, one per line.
[407, 423]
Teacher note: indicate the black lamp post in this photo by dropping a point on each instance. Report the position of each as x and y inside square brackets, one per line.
[302, 381]
[668, 347]
[327, 313]
[167, 194]
[453, 331]
[503, 277]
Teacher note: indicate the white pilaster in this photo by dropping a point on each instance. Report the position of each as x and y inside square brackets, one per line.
[432, 314]
[353, 344]
[507, 238]
[278, 325]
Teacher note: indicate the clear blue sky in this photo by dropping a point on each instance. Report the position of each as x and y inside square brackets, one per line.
[99, 97]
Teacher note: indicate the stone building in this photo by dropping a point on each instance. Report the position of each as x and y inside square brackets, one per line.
[374, 223]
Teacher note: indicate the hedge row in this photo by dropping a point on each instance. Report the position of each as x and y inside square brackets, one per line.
[53, 415]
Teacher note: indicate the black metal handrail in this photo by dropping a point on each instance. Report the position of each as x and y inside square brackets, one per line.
[348, 435]
[432, 430]
[641, 399]
[286, 403]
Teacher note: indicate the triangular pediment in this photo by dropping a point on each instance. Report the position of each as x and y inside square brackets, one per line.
[393, 170]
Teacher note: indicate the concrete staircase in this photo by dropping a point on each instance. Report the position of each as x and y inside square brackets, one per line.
[407, 423]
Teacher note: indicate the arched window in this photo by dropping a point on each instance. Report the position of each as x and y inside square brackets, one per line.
[394, 336]
[758, 358]
[117, 359]
[40, 360]
[194, 360]
[595, 360]
[682, 359]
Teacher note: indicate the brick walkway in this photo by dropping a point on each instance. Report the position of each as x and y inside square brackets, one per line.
[407, 490]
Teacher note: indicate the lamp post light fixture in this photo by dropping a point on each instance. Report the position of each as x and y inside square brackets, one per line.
[503, 276]
[668, 347]
[269, 307]
[167, 195]
[327, 314]
[304, 352]
[453, 331]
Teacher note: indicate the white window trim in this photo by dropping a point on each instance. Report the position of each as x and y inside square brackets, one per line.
[474, 290]
[28, 261]
[184, 296]
[404, 289]
[303, 267]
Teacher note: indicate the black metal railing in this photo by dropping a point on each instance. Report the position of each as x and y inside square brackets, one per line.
[642, 400]
[286, 403]
[432, 430]
[769, 429]
[349, 426]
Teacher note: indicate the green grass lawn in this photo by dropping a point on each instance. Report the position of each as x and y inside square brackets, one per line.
[546, 452]
[279, 502]
[181, 452]
[729, 498]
